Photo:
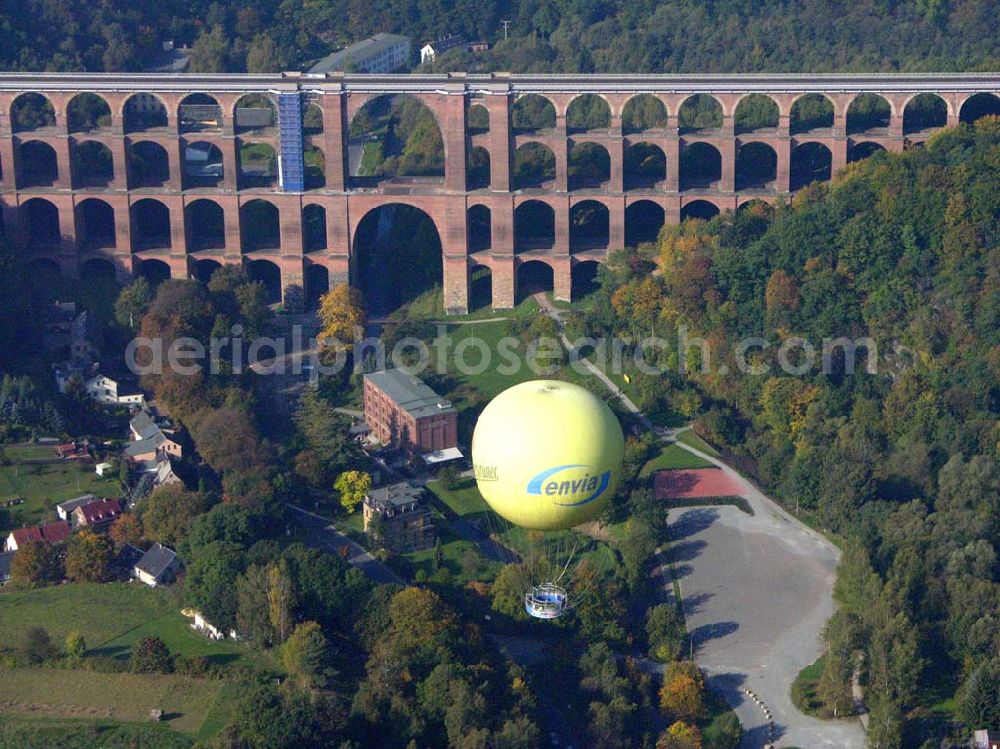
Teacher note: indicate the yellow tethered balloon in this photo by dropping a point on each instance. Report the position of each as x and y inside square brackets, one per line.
[547, 457]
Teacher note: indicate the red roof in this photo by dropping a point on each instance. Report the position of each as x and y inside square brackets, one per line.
[98, 511]
[52, 533]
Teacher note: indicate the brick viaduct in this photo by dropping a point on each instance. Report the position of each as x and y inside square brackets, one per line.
[62, 215]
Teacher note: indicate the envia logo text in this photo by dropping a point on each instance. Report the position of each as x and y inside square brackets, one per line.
[569, 482]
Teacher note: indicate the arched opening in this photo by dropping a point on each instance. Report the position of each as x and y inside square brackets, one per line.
[398, 257]
[98, 271]
[86, 112]
[811, 162]
[757, 208]
[480, 228]
[531, 113]
[923, 112]
[534, 166]
[755, 112]
[478, 121]
[95, 225]
[40, 223]
[584, 280]
[811, 112]
[317, 279]
[150, 225]
[37, 166]
[588, 112]
[269, 274]
[395, 136]
[480, 287]
[868, 112]
[258, 166]
[702, 210]
[588, 226]
[93, 164]
[314, 228]
[260, 225]
[643, 221]
[645, 166]
[534, 226]
[533, 277]
[315, 165]
[312, 119]
[589, 166]
[154, 271]
[144, 112]
[199, 112]
[701, 166]
[979, 105]
[202, 165]
[699, 112]
[861, 151]
[756, 167]
[206, 225]
[202, 270]
[31, 111]
[148, 165]
[253, 112]
[643, 112]
[477, 168]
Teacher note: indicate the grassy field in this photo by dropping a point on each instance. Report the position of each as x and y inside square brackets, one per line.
[689, 438]
[672, 456]
[26, 732]
[804, 688]
[464, 499]
[43, 486]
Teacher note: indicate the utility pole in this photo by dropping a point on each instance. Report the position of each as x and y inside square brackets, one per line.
[506, 25]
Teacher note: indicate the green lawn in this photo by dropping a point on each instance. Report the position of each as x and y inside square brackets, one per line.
[464, 499]
[26, 732]
[804, 688]
[672, 456]
[43, 486]
[689, 438]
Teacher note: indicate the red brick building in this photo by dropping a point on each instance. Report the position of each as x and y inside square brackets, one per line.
[402, 411]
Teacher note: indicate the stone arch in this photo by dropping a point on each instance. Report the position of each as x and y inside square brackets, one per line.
[148, 164]
[384, 126]
[868, 112]
[584, 279]
[253, 112]
[397, 256]
[258, 165]
[269, 274]
[153, 270]
[704, 210]
[810, 112]
[480, 222]
[755, 112]
[314, 228]
[39, 219]
[864, 149]
[532, 112]
[589, 165]
[206, 225]
[589, 226]
[645, 166]
[534, 165]
[260, 225]
[477, 169]
[312, 118]
[478, 119]
[924, 111]
[756, 166]
[93, 164]
[701, 166]
[97, 270]
[95, 224]
[150, 225]
[36, 164]
[199, 112]
[811, 162]
[588, 112]
[480, 287]
[534, 277]
[979, 105]
[31, 111]
[86, 112]
[315, 167]
[756, 206]
[202, 165]
[644, 112]
[202, 270]
[643, 221]
[534, 226]
[144, 111]
[699, 112]
[317, 283]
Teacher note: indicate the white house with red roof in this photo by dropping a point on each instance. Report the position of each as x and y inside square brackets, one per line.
[97, 515]
[51, 533]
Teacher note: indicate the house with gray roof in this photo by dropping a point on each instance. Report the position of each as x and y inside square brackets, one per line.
[157, 566]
